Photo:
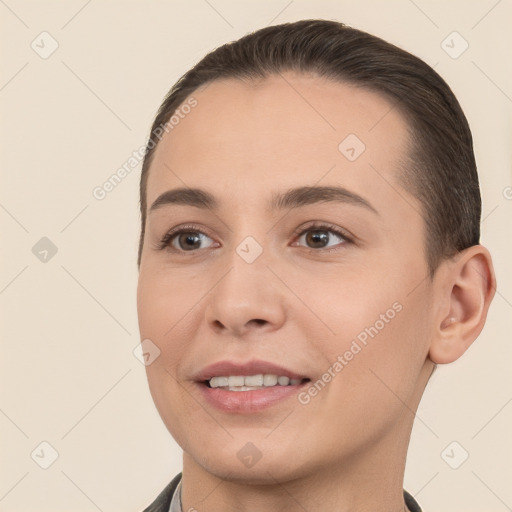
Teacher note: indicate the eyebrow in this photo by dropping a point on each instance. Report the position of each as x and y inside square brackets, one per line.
[292, 198]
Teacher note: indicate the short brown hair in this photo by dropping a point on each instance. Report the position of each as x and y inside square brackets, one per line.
[440, 169]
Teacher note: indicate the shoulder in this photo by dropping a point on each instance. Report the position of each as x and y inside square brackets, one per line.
[163, 500]
[411, 503]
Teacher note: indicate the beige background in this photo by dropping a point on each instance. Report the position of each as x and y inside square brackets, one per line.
[68, 375]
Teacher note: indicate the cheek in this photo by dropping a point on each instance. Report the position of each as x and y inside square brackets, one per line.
[349, 302]
[382, 354]
[380, 332]
[164, 311]
[161, 311]
[163, 304]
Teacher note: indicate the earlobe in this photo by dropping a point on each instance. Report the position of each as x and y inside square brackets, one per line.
[471, 287]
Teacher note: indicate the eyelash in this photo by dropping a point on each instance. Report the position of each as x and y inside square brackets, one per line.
[318, 226]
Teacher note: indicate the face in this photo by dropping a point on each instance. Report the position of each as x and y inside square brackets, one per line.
[327, 288]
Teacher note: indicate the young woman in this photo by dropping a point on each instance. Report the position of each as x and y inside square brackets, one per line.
[309, 252]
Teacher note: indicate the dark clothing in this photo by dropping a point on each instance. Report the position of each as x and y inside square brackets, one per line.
[163, 500]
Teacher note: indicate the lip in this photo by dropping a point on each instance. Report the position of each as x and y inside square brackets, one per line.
[246, 402]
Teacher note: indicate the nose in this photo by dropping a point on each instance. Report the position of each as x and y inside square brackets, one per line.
[247, 298]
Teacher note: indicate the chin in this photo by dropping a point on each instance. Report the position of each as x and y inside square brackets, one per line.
[237, 460]
[261, 473]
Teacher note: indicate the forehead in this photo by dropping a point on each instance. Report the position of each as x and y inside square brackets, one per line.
[280, 132]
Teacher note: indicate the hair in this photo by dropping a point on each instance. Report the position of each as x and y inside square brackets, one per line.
[439, 168]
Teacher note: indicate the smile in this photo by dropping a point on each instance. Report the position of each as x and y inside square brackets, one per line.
[247, 387]
[251, 382]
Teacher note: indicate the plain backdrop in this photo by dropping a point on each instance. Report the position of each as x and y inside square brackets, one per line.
[80, 83]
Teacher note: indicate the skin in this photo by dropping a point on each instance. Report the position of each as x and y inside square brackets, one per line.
[345, 449]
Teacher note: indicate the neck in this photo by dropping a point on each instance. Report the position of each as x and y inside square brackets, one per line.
[365, 481]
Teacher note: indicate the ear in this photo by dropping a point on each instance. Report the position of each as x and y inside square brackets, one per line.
[466, 288]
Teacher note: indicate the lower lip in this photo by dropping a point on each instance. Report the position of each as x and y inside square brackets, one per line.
[248, 401]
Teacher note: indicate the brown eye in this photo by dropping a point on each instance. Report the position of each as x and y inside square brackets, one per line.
[184, 239]
[320, 237]
[188, 240]
[317, 238]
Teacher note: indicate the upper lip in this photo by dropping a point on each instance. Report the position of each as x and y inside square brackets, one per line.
[253, 367]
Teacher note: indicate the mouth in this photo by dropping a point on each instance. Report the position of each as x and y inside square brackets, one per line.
[248, 387]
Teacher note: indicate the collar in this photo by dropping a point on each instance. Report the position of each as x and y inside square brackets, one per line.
[175, 502]
[176, 499]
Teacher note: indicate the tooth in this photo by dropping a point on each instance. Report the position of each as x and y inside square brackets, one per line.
[250, 382]
[269, 380]
[254, 380]
[244, 388]
[236, 380]
[217, 382]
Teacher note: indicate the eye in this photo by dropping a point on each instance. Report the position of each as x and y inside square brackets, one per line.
[319, 236]
[184, 239]
[189, 238]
